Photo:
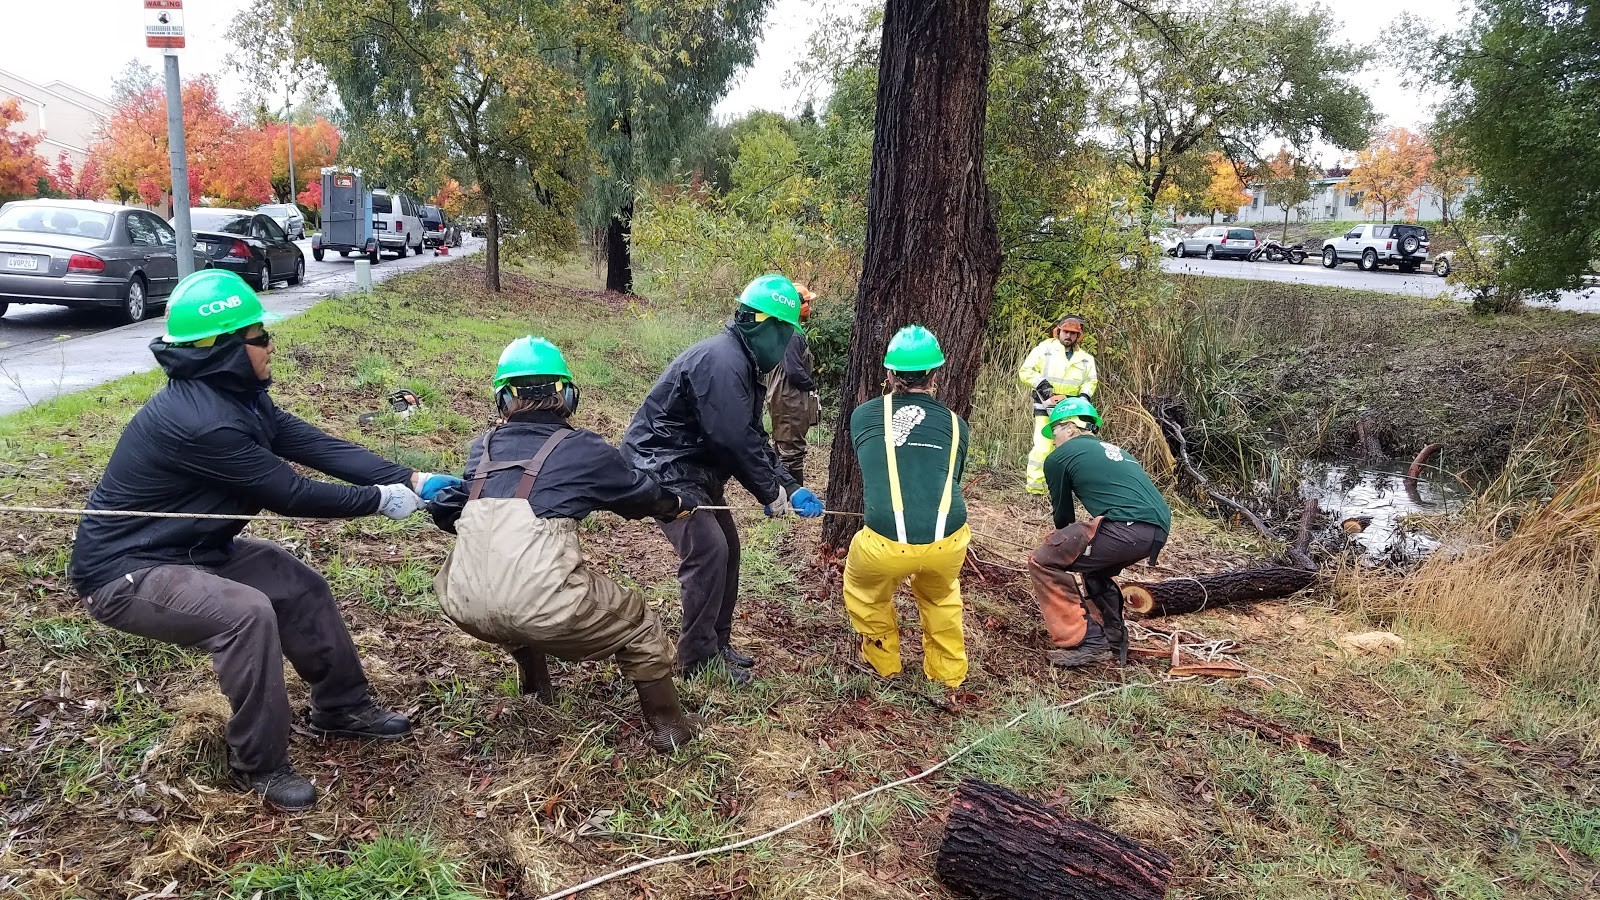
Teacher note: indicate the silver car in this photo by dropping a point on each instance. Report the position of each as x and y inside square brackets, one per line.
[83, 253]
[288, 217]
[1214, 241]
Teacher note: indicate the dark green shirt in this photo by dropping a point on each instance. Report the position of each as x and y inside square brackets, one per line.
[1107, 480]
[922, 452]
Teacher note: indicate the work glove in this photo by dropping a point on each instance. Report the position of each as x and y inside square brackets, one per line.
[686, 505]
[428, 485]
[806, 504]
[779, 507]
[397, 501]
[1043, 390]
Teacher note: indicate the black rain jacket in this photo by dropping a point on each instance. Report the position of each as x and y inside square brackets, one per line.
[582, 474]
[212, 441]
[796, 364]
[701, 424]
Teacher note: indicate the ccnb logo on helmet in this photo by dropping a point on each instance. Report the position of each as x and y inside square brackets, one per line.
[217, 306]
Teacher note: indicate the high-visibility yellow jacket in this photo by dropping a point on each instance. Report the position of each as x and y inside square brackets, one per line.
[1069, 374]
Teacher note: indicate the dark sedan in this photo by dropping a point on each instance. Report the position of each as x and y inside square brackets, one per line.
[249, 243]
[82, 253]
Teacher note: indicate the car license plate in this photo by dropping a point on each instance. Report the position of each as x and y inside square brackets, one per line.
[25, 263]
[202, 246]
[380, 226]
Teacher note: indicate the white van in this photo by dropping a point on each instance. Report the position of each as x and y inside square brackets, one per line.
[396, 223]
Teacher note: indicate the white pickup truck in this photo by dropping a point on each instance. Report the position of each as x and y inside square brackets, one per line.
[1371, 246]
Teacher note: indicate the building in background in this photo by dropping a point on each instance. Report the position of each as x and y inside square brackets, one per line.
[65, 117]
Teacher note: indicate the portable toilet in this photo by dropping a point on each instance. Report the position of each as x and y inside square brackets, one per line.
[346, 215]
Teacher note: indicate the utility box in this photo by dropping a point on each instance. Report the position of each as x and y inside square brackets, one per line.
[346, 215]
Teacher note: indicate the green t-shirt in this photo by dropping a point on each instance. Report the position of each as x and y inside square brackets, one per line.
[1108, 482]
[922, 435]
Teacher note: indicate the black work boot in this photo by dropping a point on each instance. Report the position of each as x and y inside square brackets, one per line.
[533, 674]
[734, 658]
[283, 788]
[1093, 650]
[737, 675]
[666, 728]
[368, 720]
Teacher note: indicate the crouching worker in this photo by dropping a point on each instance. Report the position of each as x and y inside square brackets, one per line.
[1129, 521]
[912, 450]
[213, 442]
[517, 577]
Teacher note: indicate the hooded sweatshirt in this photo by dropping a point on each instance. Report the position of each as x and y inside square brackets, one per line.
[212, 441]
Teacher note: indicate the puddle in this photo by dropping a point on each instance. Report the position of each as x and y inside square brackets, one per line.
[1377, 489]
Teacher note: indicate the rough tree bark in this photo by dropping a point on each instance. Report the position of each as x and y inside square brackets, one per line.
[933, 254]
[1150, 599]
[1001, 845]
[619, 255]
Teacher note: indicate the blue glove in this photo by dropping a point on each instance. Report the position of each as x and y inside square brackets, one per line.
[806, 504]
[432, 484]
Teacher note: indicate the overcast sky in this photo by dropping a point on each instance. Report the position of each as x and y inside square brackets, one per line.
[87, 42]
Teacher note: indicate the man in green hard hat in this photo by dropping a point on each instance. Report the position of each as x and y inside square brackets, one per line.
[700, 426]
[213, 442]
[1128, 522]
[913, 450]
[517, 577]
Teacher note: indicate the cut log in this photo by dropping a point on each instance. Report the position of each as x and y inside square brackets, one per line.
[999, 845]
[1151, 599]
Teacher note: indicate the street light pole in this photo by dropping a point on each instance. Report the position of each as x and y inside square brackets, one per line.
[288, 119]
[179, 162]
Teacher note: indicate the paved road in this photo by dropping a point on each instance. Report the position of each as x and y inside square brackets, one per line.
[1422, 284]
[46, 351]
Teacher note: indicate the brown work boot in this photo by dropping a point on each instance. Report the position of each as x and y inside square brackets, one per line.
[1094, 650]
[666, 727]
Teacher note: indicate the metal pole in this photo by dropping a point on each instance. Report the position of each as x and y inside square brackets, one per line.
[180, 169]
[288, 118]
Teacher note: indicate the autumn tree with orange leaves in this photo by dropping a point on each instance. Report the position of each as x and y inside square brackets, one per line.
[20, 166]
[1226, 191]
[1391, 170]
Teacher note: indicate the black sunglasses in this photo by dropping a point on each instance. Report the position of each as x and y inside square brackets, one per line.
[263, 339]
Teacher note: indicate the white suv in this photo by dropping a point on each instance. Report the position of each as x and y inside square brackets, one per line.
[1371, 246]
[396, 223]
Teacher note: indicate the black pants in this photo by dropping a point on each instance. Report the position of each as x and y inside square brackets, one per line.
[264, 604]
[1116, 545]
[708, 579]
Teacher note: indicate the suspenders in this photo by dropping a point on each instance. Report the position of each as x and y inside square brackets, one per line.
[894, 473]
[530, 467]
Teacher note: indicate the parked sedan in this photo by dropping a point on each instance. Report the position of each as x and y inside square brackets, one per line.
[288, 217]
[83, 253]
[249, 243]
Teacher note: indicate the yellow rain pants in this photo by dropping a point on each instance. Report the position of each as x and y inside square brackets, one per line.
[877, 566]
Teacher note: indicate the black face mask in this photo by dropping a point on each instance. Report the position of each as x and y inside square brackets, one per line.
[767, 340]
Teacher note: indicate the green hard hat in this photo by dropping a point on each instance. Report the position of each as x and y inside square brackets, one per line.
[1070, 408]
[913, 349]
[774, 295]
[527, 356]
[212, 302]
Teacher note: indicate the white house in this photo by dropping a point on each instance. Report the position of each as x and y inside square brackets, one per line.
[1333, 200]
[65, 117]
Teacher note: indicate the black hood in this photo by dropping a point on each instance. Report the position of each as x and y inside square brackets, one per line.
[225, 365]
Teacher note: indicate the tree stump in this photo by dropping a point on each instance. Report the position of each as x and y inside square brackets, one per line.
[1151, 599]
[999, 845]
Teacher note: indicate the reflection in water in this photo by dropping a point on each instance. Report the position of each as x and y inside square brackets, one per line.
[1377, 489]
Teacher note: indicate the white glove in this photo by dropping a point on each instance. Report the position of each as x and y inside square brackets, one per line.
[397, 501]
[780, 507]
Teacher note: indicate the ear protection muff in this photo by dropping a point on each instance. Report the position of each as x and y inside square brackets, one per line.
[570, 395]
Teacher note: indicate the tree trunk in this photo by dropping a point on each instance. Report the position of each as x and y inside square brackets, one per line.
[999, 845]
[933, 254]
[1285, 237]
[491, 247]
[1152, 599]
[619, 255]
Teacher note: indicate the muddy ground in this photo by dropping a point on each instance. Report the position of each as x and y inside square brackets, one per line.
[1433, 778]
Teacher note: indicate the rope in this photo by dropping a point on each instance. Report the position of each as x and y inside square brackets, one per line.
[64, 511]
[737, 845]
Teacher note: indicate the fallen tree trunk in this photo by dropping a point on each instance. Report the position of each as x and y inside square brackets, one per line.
[1151, 599]
[1000, 845]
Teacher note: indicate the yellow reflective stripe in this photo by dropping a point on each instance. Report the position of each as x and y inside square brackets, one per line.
[949, 477]
[895, 498]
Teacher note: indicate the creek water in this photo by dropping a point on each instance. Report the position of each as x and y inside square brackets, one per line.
[1376, 489]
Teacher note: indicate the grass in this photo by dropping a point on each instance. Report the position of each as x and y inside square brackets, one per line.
[1453, 780]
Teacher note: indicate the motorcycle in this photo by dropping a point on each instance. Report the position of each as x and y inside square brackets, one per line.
[1274, 251]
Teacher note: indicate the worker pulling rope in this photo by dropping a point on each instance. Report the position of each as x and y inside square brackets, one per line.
[739, 845]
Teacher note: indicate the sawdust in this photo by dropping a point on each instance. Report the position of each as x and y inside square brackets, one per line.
[1372, 643]
[1145, 820]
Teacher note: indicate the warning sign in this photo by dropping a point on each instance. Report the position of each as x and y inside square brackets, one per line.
[163, 23]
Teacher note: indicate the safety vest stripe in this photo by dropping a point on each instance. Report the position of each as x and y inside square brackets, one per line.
[895, 498]
[949, 478]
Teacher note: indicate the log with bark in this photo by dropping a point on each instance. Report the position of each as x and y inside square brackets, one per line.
[1000, 845]
[1174, 596]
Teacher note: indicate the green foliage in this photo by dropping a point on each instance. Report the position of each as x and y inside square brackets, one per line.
[406, 868]
[1523, 113]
